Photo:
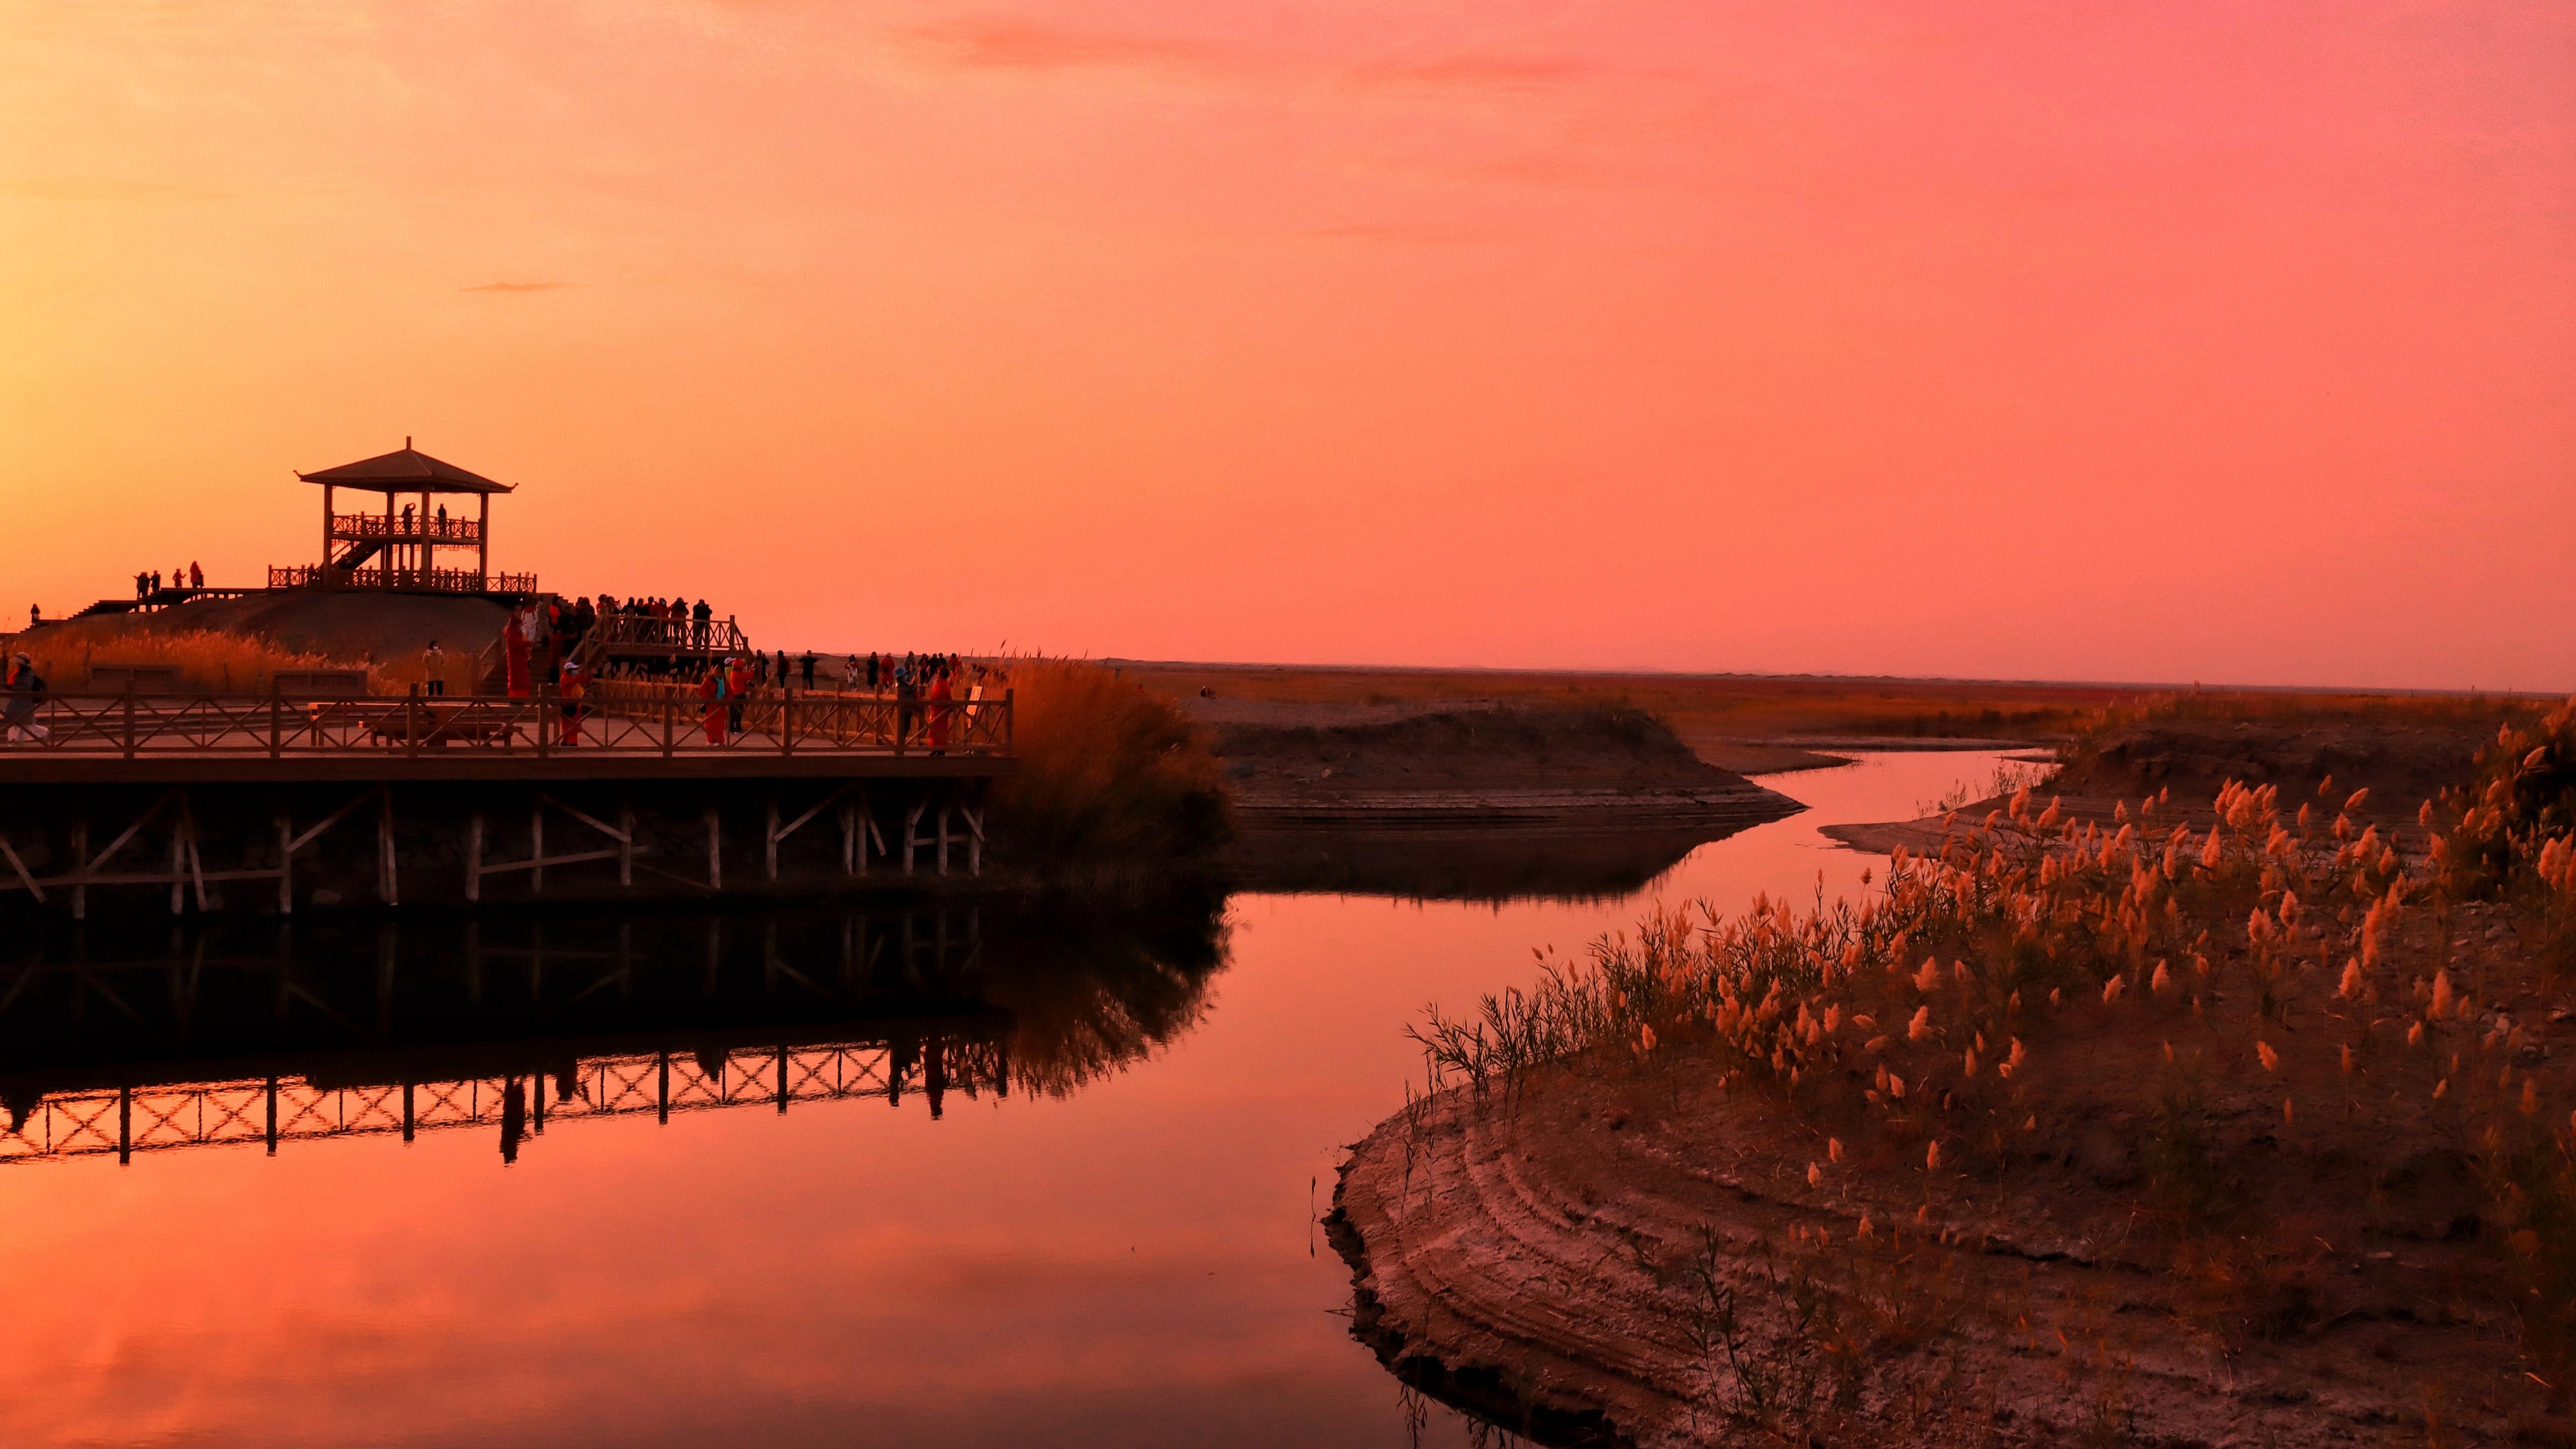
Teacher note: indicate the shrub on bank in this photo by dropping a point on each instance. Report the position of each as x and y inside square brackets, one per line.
[1110, 778]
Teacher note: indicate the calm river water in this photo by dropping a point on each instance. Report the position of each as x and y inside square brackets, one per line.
[1123, 1249]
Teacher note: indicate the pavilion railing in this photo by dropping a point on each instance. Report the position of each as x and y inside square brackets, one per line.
[615, 717]
[359, 527]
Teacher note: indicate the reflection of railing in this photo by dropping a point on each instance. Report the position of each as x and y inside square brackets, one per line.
[448, 581]
[208, 1114]
[359, 527]
[618, 717]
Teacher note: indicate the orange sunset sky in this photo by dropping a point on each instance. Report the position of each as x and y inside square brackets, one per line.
[2143, 341]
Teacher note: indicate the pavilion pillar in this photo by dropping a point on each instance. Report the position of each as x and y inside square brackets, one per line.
[326, 533]
[385, 560]
[483, 541]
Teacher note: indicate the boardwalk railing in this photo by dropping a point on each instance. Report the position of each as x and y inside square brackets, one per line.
[827, 720]
[616, 717]
[618, 628]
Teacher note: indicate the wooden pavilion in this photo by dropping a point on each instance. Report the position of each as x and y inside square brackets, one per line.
[399, 548]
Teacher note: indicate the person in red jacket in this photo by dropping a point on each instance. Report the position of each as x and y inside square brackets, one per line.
[713, 690]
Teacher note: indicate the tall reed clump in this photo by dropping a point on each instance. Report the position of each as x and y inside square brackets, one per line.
[1111, 781]
[2280, 951]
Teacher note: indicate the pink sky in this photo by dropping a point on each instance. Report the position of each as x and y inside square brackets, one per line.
[2142, 342]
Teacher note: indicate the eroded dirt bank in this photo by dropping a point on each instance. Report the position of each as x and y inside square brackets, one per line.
[2247, 1124]
[1637, 1252]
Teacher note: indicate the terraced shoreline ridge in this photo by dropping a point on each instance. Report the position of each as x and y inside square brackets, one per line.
[2252, 1124]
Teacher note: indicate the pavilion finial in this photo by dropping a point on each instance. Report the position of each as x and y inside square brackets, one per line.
[406, 440]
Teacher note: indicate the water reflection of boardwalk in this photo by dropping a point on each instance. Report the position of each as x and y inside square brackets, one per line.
[699, 1078]
[511, 1024]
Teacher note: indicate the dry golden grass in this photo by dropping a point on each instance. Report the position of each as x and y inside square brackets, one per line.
[210, 661]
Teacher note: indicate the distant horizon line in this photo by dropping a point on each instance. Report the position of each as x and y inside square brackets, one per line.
[2198, 686]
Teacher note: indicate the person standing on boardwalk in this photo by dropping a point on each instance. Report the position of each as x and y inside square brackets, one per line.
[196, 575]
[805, 667]
[571, 687]
[872, 671]
[907, 703]
[940, 695]
[699, 620]
[717, 713]
[433, 669]
[514, 657]
[741, 677]
[26, 691]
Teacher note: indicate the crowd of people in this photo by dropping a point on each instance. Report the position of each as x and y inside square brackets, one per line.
[541, 648]
[673, 621]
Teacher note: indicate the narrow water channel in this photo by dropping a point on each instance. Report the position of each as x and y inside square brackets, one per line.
[787, 1247]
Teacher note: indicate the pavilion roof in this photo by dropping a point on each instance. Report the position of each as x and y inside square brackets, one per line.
[405, 471]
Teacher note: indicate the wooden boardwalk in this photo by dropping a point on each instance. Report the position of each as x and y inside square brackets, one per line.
[621, 731]
[193, 793]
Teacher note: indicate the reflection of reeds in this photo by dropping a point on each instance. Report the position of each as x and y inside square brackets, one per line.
[1109, 778]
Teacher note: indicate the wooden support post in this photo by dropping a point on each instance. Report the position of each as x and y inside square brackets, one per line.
[769, 834]
[974, 838]
[537, 844]
[625, 844]
[178, 867]
[943, 840]
[474, 856]
[196, 855]
[26, 877]
[276, 720]
[272, 1117]
[124, 1126]
[911, 834]
[849, 839]
[285, 862]
[408, 1117]
[662, 1111]
[388, 888]
[715, 851]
